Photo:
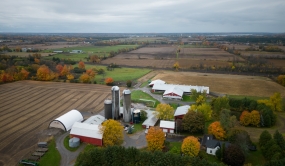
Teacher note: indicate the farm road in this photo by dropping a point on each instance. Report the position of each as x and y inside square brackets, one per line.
[67, 157]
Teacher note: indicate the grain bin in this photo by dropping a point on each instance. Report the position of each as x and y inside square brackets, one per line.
[136, 115]
[127, 113]
[108, 109]
[74, 142]
[115, 102]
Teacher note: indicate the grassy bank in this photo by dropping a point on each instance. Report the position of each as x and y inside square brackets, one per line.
[138, 94]
[52, 157]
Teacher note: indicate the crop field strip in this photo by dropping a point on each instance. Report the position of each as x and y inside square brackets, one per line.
[26, 116]
[36, 120]
[26, 105]
[20, 117]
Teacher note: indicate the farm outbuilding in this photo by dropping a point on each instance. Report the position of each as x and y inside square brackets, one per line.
[89, 133]
[173, 93]
[151, 119]
[185, 88]
[167, 126]
[156, 82]
[66, 121]
[181, 111]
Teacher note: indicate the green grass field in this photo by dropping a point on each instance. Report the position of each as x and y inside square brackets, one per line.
[52, 157]
[88, 50]
[138, 94]
[66, 144]
[118, 74]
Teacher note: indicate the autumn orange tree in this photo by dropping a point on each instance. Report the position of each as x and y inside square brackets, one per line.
[112, 132]
[245, 118]
[109, 81]
[155, 139]
[217, 130]
[85, 78]
[45, 74]
[281, 79]
[164, 111]
[69, 76]
[190, 146]
[81, 65]
[59, 68]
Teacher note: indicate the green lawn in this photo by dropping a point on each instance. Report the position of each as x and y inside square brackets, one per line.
[87, 50]
[138, 94]
[66, 144]
[138, 127]
[52, 157]
[187, 98]
[255, 157]
[118, 74]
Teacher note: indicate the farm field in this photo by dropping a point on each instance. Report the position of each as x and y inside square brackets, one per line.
[118, 74]
[27, 107]
[167, 63]
[263, 54]
[225, 84]
[48, 46]
[26, 54]
[87, 50]
[165, 57]
[238, 46]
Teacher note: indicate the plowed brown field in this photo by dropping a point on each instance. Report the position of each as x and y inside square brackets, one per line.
[225, 84]
[27, 107]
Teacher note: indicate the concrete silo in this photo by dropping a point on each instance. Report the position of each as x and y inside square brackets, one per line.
[108, 109]
[127, 113]
[115, 102]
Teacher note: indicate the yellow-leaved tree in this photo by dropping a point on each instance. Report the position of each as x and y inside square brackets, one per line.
[176, 66]
[112, 133]
[204, 108]
[217, 130]
[190, 146]
[164, 112]
[255, 118]
[155, 139]
[275, 102]
[245, 118]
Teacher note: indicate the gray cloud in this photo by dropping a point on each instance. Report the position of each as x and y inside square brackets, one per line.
[142, 16]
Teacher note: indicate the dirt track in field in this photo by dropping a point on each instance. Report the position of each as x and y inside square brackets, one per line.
[27, 107]
[225, 84]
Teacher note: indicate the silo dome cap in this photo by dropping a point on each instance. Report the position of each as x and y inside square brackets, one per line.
[108, 101]
[115, 88]
[126, 91]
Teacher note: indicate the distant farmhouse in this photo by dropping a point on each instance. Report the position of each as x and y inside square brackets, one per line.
[76, 51]
[172, 91]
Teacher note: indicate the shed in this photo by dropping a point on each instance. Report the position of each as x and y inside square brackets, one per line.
[156, 82]
[167, 126]
[87, 133]
[66, 121]
[181, 111]
[151, 119]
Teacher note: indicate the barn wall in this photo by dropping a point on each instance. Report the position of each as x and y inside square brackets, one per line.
[94, 141]
[179, 117]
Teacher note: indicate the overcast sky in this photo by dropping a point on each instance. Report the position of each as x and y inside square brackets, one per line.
[142, 16]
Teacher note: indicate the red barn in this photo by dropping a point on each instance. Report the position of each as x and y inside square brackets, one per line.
[88, 133]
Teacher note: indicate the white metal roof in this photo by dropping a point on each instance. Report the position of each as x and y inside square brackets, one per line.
[182, 110]
[86, 130]
[176, 90]
[70, 118]
[156, 82]
[167, 124]
[151, 118]
[95, 120]
[184, 88]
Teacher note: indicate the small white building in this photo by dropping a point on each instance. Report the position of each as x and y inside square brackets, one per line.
[173, 93]
[167, 126]
[156, 82]
[66, 121]
[212, 145]
[151, 119]
[57, 51]
[76, 51]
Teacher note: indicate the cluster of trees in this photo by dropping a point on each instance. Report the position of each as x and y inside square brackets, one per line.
[272, 148]
[13, 74]
[164, 111]
[117, 155]
[250, 118]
